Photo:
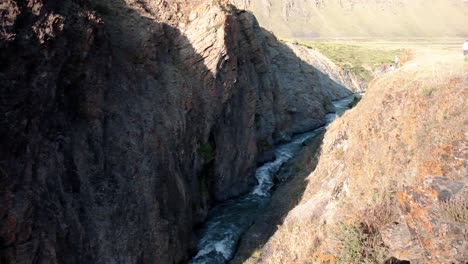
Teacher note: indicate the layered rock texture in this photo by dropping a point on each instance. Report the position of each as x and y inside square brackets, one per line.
[361, 18]
[333, 77]
[391, 180]
[123, 121]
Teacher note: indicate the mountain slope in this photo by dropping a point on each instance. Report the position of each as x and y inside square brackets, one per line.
[361, 18]
[390, 183]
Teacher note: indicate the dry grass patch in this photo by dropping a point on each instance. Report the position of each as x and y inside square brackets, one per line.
[456, 209]
[396, 137]
[361, 240]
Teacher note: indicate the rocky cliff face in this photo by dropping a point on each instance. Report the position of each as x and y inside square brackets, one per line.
[122, 121]
[361, 18]
[336, 79]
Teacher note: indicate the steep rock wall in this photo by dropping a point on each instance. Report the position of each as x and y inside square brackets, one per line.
[123, 121]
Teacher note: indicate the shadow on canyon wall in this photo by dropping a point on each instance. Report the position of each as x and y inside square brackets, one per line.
[103, 122]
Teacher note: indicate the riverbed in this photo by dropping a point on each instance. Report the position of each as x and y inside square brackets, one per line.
[228, 221]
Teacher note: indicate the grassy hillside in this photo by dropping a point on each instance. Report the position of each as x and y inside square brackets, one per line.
[362, 18]
[363, 61]
[391, 175]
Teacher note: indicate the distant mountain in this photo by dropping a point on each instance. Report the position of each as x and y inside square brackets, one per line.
[361, 18]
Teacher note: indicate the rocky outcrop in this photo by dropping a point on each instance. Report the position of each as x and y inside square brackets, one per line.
[123, 121]
[339, 82]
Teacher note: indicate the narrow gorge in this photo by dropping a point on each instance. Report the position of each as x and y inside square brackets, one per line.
[124, 122]
[183, 131]
[228, 221]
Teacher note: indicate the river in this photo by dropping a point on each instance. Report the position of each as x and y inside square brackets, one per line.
[229, 220]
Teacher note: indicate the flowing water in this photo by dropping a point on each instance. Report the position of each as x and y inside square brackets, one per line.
[229, 220]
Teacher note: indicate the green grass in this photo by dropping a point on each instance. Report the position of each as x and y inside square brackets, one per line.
[361, 60]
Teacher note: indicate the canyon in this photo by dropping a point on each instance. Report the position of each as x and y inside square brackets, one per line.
[129, 127]
[388, 182]
[124, 122]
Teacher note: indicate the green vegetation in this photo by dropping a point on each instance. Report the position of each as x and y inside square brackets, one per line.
[428, 91]
[362, 241]
[207, 152]
[360, 247]
[339, 153]
[352, 244]
[203, 182]
[263, 145]
[361, 60]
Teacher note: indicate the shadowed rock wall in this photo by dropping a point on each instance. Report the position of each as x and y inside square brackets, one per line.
[123, 122]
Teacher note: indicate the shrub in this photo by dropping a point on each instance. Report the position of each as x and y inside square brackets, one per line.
[352, 244]
[377, 216]
[360, 245]
[263, 145]
[339, 153]
[456, 209]
[207, 152]
[428, 91]
[405, 56]
[362, 241]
